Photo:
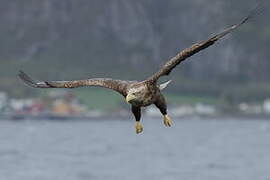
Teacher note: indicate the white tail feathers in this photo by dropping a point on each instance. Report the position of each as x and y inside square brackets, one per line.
[164, 85]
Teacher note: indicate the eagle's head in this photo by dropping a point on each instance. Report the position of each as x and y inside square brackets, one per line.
[137, 95]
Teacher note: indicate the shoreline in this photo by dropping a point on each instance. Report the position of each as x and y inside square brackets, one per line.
[52, 117]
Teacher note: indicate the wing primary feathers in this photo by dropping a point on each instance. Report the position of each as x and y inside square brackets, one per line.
[33, 83]
[257, 10]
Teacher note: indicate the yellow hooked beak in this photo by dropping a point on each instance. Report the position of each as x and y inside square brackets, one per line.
[130, 97]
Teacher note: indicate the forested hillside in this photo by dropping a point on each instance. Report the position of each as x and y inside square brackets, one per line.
[129, 39]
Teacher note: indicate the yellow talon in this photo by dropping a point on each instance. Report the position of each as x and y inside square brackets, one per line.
[139, 127]
[167, 121]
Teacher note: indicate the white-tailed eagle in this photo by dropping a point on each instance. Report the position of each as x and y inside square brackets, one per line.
[143, 93]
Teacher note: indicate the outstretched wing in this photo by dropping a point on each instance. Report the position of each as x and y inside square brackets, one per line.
[186, 53]
[117, 85]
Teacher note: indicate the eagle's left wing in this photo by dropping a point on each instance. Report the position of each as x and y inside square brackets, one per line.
[186, 53]
[117, 85]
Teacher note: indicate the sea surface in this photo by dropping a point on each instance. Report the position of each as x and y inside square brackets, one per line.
[193, 149]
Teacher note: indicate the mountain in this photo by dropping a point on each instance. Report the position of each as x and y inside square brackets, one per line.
[129, 39]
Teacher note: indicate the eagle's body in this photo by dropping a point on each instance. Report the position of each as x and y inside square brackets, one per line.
[144, 93]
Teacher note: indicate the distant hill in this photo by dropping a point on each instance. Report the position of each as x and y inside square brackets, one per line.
[129, 39]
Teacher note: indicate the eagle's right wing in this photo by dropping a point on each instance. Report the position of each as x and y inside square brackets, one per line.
[117, 85]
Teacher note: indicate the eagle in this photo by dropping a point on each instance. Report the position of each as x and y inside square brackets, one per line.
[140, 93]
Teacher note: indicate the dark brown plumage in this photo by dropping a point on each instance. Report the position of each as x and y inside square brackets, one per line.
[143, 93]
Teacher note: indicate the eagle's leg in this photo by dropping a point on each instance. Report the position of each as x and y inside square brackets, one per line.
[137, 113]
[162, 106]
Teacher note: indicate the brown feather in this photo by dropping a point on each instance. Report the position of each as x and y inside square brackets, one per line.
[117, 85]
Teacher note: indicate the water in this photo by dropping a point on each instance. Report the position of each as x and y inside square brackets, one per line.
[109, 149]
